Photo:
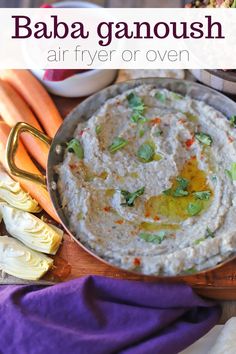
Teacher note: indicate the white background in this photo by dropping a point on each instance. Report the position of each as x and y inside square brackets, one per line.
[203, 53]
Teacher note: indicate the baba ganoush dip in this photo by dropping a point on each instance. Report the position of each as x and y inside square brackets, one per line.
[148, 183]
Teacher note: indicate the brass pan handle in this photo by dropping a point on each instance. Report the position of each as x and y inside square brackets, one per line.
[11, 150]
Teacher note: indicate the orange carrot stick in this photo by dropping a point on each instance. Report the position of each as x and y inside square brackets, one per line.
[24, 162]
[13, 110]
[36, 97]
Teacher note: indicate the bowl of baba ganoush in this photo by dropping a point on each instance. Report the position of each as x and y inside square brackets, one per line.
[143, 175]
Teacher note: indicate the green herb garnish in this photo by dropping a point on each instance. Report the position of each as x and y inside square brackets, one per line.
[98, 129]
[203, 138]
[138, 107]
[153, 238]
[194, 208]
[176, 96]
[209, 233]
[167, 191]
[180, 190]
[142, 130]
[160, 96]
[137, 118]
[214, 178]
[232, 172]
[183, 182]
[146, 152]
[199, 240]
[232, 119]
[117, 144]
[190, 270]
[75, 147]
[130, 197]
[141, 133]
[158, 133]
[202, 195]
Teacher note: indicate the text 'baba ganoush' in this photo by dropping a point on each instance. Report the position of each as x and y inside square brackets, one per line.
[148, 183]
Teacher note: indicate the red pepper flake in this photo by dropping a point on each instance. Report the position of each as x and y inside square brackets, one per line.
[83, 131]
[119, 222]
[230, 139]
[189, 143]
[155, 121]
[148, 214]
[193, 157]
[73, 166]
[107, 209]
[181, 121]
[156, 218]
[137, 262]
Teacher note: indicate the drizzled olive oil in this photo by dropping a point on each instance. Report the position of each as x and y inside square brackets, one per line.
[176, 209]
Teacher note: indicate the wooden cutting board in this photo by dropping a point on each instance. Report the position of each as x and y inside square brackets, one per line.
[72, 261]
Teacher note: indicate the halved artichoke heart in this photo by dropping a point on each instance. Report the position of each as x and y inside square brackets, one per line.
[11, 192]
[30, 230]
[20, 261]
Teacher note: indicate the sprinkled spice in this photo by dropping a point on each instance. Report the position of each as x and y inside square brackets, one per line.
[137, 262]
[155, 121]
[189, 142]
[107, 209]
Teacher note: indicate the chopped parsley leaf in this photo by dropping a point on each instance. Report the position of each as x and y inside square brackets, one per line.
[199, 240]
[209, 233]
[183, 182]
[202, 195]
[203, 138]
[98, 129]
[160, 96]
[117, 144]
[158, 133]
[146, 152]
[190, 270]
[232, 120]
[131, 197]
[138, 107]
[167, 191]
[153, 238]
[176, 96]
[232, 172]
[75, 147]
[214, 178]
[194, 208]
[181, 190]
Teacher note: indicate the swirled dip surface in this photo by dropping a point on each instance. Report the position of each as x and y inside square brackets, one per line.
[151, 187]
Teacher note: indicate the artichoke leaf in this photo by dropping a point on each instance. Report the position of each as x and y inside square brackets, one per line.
[22, 262]
[30, 230]
[12, 193]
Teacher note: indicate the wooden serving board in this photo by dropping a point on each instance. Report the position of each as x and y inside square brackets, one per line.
[72, 261]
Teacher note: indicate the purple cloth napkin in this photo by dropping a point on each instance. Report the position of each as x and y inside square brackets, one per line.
[98, 315]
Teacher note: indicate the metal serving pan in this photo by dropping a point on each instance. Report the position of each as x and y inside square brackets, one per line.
[83, 112]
